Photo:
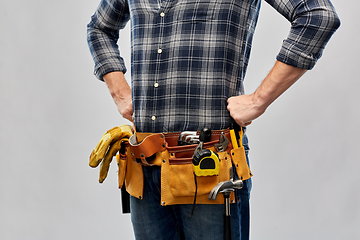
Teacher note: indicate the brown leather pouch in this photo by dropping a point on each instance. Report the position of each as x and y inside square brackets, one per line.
[145, 151]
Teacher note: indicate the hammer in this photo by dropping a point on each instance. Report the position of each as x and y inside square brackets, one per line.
[226, 187]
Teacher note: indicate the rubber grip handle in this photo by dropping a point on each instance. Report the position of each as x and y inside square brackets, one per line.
[205, 135]
[227, 227]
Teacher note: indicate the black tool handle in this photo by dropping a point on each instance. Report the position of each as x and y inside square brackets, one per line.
[227, 215]
[227, 227]
[125, 200]
[205, 135]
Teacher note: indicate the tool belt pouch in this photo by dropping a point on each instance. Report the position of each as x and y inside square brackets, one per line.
[130, 173]
[121, 161]
[177, 174]
[240, 162]
[135, 157]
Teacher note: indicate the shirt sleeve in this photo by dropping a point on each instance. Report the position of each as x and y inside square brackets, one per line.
[103, 33]
[312, 24]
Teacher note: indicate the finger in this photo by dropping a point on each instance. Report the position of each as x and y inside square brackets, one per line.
[105, 164]
[248, 123]
[230, 99]
[128, 114]
[245, 124]
[129, 117]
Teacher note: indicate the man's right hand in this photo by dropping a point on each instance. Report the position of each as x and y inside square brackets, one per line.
[121, 93]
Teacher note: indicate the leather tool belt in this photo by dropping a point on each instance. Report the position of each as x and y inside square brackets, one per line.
[177, 178]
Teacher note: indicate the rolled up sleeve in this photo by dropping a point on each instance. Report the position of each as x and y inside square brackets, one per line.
[103, 33]
[313, 22]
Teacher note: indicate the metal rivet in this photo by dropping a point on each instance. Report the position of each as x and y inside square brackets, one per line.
[140, 197]
[142, 155]
[164, 161]
[163, 203]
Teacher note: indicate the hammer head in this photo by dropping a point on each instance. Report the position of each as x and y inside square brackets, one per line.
[225, 187]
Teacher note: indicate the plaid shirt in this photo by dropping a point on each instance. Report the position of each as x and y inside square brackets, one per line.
[189, 56]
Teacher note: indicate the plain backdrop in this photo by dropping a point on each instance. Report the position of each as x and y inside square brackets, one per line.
[53, 111]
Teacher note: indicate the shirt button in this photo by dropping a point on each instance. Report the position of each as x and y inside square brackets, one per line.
[153, 118]
[156, 85]
[159, 50]
[162, 14]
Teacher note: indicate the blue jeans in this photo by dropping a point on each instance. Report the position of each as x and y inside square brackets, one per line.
[153, 221]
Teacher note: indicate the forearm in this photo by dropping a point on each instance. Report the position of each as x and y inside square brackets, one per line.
[117, 85]
[280, 78]
[312, 24]
[120, 92]
[245, 108]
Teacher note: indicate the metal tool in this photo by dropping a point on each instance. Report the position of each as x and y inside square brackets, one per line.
[223, 143]
[192, 139]
[226, 187]
[186, 135]
[205, 161]
[205, 136]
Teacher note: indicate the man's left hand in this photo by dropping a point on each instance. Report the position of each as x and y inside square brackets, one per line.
[244, 109]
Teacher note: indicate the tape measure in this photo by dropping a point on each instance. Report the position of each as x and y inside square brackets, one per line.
[206, 163]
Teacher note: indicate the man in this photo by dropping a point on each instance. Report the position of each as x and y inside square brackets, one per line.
[189, 60]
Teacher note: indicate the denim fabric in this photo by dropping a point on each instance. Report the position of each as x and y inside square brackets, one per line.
[153, 221]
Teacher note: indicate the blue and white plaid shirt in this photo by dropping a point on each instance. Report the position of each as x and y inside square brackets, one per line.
[189, 56]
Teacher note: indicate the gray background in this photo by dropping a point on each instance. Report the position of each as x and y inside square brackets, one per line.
[53, 111]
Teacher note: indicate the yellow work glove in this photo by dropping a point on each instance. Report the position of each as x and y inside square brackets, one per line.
[107, 148]
[105, 164]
